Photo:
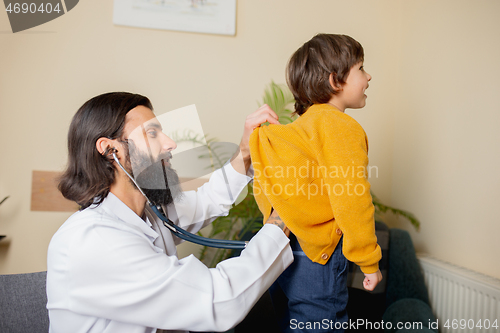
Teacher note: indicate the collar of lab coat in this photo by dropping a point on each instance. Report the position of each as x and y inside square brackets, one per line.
[116, 208]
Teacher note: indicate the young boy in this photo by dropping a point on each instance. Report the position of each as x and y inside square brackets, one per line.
[313, 173]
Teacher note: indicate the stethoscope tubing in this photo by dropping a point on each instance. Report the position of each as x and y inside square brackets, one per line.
[183, 234]
[178, 231]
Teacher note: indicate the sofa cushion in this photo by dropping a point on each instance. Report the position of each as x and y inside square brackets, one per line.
[408, 315]
[404, 276]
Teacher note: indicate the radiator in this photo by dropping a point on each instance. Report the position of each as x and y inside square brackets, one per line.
[462, 300]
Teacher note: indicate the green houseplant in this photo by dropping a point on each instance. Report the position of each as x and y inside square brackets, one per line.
[245, 218]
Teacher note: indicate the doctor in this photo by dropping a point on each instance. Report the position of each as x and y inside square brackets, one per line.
[112, 266]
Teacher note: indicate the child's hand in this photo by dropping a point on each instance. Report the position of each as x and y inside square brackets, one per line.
[371, 280]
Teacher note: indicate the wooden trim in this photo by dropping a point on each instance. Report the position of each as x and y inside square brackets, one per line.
[45, 196]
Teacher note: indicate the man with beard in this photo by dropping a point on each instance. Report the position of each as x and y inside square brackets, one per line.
[112, 266]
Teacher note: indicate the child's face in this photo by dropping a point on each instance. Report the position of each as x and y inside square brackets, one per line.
[352, 94]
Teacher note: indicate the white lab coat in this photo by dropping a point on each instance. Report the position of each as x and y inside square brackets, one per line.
[109, 271]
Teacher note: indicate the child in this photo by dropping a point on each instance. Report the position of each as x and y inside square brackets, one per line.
[313, 173]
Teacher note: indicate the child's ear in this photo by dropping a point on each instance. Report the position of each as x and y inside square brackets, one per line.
[337, 87]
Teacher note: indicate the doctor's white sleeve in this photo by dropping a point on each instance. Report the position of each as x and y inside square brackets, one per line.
[138, 285]
[196, 209]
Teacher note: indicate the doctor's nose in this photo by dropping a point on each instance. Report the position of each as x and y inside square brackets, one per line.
[167, 144]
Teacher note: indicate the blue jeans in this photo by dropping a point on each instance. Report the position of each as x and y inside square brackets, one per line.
[310, 297]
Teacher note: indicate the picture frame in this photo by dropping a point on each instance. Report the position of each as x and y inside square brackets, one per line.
[199, 16]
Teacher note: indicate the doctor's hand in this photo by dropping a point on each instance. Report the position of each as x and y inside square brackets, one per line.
[276, 220]
[241, 161]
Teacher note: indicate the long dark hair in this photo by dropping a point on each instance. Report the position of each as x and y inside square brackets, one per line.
[308, 70]
[89, 174]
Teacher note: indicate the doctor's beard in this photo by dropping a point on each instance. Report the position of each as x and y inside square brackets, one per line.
[156, 178]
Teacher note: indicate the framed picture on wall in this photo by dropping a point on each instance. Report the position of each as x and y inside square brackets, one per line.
[204, 16]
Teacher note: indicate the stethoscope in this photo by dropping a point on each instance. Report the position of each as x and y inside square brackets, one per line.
[178, 231]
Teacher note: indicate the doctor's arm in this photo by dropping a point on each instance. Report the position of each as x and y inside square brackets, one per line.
[140, 286]
[215, 198]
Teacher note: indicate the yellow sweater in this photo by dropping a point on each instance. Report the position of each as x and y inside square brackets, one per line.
[314, 173]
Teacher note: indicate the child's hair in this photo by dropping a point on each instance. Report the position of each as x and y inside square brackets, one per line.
[308, 70]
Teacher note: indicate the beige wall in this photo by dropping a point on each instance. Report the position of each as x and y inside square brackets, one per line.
[446, 147]
[430, 115]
